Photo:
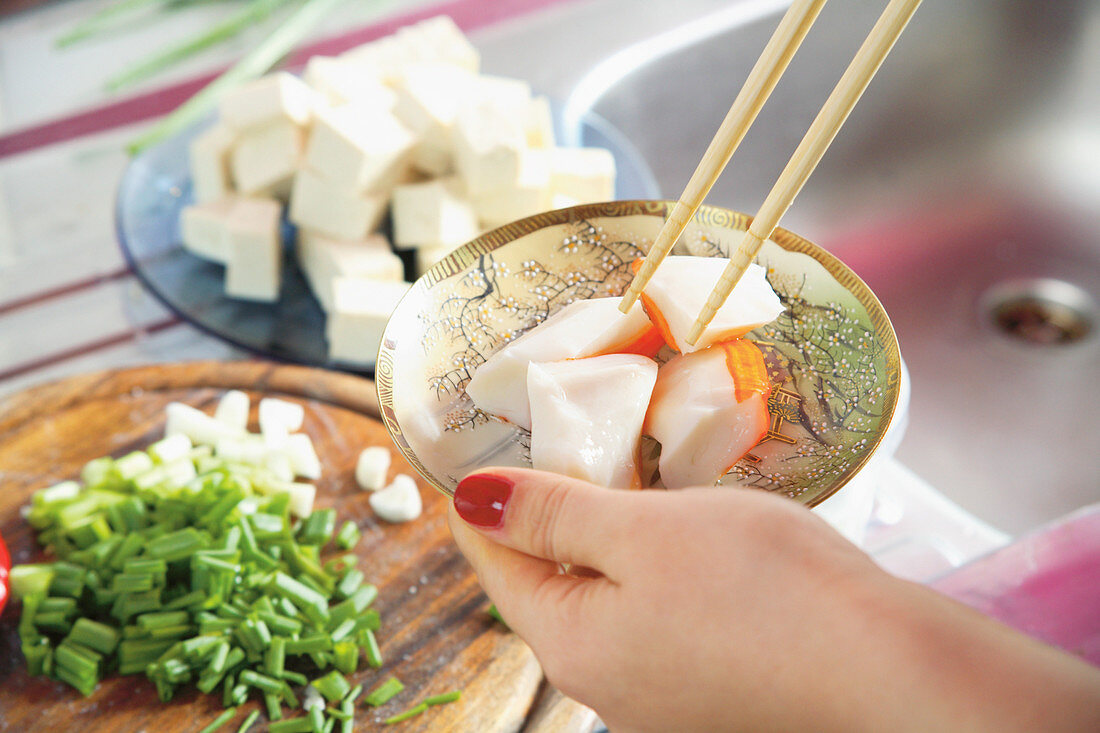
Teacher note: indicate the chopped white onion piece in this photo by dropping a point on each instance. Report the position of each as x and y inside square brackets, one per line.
[171, 448]
[248, 506]
[301, 494]
[233, 409]
[301, 498]
[173, 475]
[398, 502]
[278, 463]
[196, 425]
[134, 464]
[312, 699]
[58, 492]
[249, 449]
[372, 467]
[278, 418]
[303, 457]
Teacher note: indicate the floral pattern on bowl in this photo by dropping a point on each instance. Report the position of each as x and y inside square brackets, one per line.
[832, 355]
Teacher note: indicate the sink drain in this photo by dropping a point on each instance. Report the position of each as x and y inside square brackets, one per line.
[1041, 311]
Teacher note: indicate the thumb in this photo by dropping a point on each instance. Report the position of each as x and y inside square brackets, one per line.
[548, 516]
[517, 527]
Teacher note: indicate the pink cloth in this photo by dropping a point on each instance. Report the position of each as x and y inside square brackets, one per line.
[1046, 584]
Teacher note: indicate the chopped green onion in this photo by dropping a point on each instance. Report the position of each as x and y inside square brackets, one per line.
[248, 721]
[342, 631]
[127, 583]
[444, 699]
[296, 678]
[340, 715]
[294, 725]
[261, 681]
[273, 702]
[370, 619]
[345, 656]
[275, 657]
[175, 546]
[318, 527]
[384, 692]
[347, 709]
[496, 615]
[350, 583]
[309, 644]
[374, 654]
[95, 635]
[316, 717]
[210, 584]
[159, 620]
[195, 598]
[348, 536]
[333, 686]
[219, 721]
[30, 580]
[410, 713]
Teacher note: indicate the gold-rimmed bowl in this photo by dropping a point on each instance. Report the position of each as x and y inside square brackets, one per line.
[832, 355]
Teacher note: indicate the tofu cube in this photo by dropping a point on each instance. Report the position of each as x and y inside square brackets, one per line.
[359, 149]
[428, 99]
[539, 124]
[429, 255]
[439, 39]
[269, 98]
[361, 309]
[488, 145]
[317, 204]
[505, 95]
[341, 81]
[265, 159]
[432, 214]
[561, 201]
[529, 195]
[584, 174]
[384, 59]
[209, 155]
[254, 254]
[203, 228]
[323, 259]
[433, 40]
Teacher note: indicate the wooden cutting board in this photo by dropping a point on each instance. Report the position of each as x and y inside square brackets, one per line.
[435, 636]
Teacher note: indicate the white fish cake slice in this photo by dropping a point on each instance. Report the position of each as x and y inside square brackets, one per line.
[583, 328]
[702, 426]
[587, 414]
[679, 288]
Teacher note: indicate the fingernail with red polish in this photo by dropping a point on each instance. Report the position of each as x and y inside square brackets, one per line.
[480, 499]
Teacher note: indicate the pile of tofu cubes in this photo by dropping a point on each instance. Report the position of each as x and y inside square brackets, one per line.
[406, 126]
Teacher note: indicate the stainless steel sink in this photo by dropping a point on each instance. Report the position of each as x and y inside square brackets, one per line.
[965, 189]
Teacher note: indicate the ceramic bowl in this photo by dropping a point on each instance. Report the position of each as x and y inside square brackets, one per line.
[832, 355]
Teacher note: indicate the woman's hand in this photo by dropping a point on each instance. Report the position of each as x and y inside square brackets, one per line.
[726, 609]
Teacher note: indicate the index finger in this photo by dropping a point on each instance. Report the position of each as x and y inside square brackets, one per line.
[549, 516]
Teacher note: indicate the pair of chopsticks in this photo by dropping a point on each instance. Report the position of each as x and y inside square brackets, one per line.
[762, 79]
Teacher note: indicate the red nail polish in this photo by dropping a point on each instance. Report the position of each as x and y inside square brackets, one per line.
[480, 499]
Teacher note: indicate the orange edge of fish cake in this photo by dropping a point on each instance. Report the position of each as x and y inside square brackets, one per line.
[745, 363]
[654, 313]
[643, 343]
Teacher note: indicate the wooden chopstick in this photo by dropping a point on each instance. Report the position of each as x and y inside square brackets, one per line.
[758, 86]
[809, 152]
